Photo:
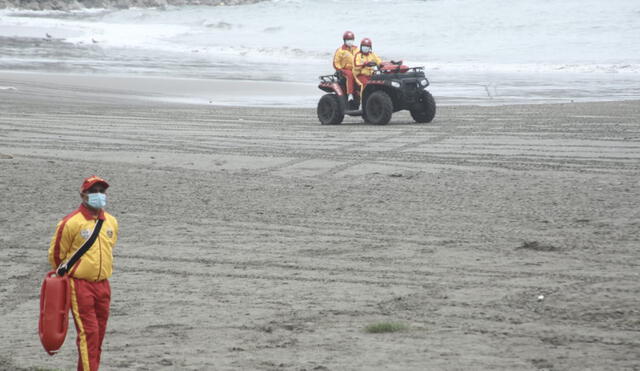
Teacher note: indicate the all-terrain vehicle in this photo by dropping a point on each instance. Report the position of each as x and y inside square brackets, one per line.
[392, 87]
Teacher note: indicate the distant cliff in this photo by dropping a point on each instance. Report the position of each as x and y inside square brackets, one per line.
[110, 4]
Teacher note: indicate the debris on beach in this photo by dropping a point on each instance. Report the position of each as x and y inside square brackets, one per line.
[537, 246]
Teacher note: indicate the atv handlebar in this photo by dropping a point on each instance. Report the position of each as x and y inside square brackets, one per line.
[379, 66]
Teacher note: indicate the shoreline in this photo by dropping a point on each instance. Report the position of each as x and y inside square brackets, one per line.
[179, 90]
[214, 92]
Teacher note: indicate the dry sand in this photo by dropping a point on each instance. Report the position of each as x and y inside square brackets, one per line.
[255, 238]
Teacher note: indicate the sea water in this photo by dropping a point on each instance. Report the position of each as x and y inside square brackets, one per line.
[474, 51]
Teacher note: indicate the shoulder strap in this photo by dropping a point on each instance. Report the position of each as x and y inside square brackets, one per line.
[66, 267]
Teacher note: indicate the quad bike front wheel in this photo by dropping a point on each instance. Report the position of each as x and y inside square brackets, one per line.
[425, 109]
[330, 110]
[379, 108]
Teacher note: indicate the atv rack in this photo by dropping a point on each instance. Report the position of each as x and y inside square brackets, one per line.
[329, 78]
[411, 69]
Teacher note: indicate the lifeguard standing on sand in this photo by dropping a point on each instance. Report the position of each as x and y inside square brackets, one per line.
[363, 63]
[90, 290]
[343, 60]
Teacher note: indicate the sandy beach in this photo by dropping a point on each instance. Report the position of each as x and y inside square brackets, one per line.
[257, 239]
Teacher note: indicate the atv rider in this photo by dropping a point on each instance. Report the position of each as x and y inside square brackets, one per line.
[363, 63]
[343, 60]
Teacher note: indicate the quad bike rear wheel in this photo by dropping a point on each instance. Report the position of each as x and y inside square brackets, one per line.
[330, 110]
[425, 109]
[379, 108]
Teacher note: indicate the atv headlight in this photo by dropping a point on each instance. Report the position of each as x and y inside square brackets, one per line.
[395, 84]
[423, 82]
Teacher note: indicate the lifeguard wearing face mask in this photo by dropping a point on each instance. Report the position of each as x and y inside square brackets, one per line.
[343, 60]
[75, 228]
[362, 61]
[90, 290]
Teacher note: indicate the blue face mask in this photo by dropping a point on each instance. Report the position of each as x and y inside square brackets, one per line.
[97, 200]
[365, 49]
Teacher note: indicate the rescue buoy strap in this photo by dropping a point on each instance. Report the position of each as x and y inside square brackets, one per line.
[66, 267]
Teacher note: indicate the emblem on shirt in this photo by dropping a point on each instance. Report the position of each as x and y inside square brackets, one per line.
[85, 233]
[110, 233]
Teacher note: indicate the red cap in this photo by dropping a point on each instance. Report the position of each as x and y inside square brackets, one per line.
[366, 42]
[90, 181]
[348, 35]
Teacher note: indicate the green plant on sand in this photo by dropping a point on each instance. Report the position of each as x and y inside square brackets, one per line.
[382, 327]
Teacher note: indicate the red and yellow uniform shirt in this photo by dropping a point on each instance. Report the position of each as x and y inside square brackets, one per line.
[359, 61]
[343, 57]
[97, 263]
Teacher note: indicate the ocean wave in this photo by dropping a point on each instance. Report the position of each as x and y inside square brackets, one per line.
[515, 68]
[71, 5]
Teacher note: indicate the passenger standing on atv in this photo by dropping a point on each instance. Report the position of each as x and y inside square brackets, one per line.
[343, 60]
[363, 63]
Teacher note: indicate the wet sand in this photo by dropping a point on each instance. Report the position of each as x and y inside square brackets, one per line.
[116, 88]
[255, 238]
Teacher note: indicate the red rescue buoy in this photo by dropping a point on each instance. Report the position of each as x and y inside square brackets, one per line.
[55, 301]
